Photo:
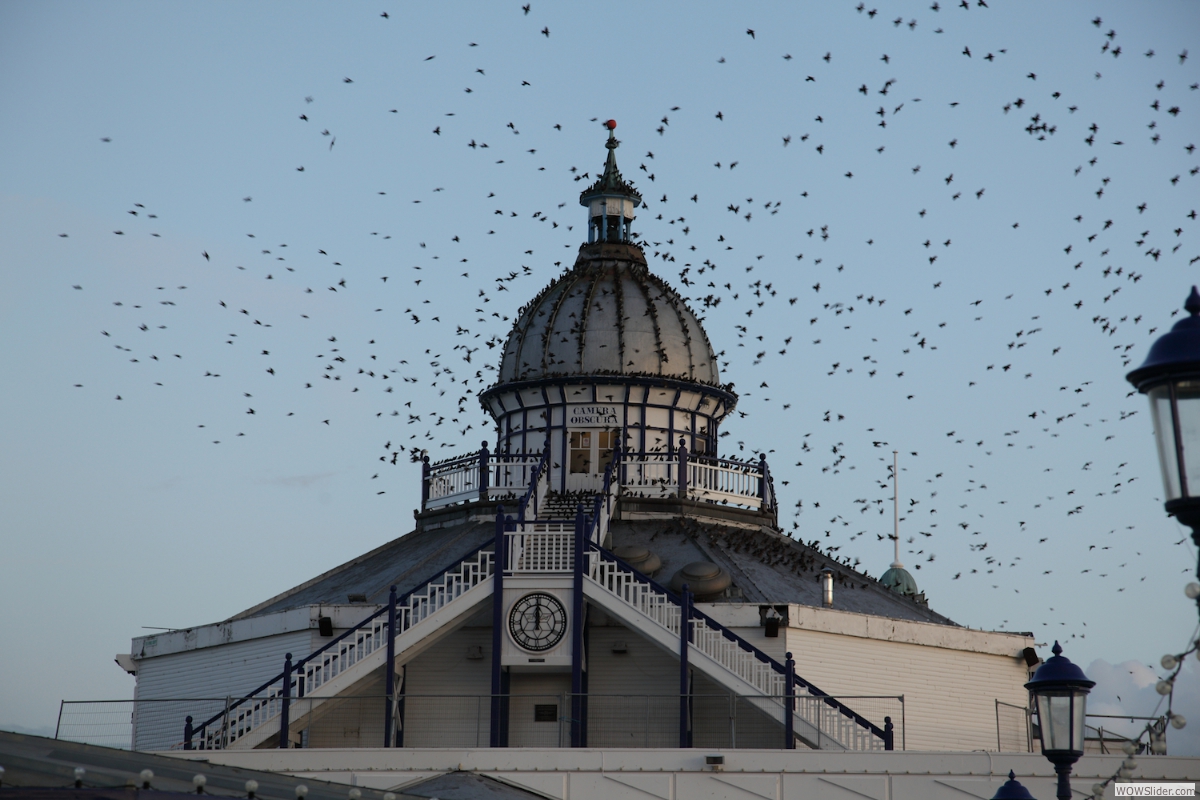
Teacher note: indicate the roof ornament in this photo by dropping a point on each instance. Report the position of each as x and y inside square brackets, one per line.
[611, 200]
[898, 579]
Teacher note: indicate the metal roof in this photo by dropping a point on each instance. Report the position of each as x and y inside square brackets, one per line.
[608, 315]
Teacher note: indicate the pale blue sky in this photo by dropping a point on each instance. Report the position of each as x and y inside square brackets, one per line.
[125, 513]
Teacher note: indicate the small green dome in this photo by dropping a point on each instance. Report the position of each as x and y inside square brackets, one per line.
[899, 580]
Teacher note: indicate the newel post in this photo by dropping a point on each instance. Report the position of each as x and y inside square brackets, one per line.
[789, 742]
[187, 734]
[577, 706]
[483, 471]
[424, 481]
[889, 734]
[498, 566]
[287, 693]
[764, 483]
[685, 636]
[390, 683]
[683, 470]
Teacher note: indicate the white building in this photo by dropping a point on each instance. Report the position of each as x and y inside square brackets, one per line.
[637, 595]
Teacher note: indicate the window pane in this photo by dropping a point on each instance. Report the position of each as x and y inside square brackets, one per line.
[581, 452]
[1164, 434]
[1187, 401]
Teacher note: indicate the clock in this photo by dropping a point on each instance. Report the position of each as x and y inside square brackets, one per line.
[537, 622]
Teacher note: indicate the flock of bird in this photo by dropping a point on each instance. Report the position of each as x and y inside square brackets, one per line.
[817, 340]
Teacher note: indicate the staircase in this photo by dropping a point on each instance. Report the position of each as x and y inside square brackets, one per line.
[541, 540]
[819, 721]
[422, 616]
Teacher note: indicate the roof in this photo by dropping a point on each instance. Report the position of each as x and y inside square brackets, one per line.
[407, 562]
[47, 765]
[608, 315]
[767, 566]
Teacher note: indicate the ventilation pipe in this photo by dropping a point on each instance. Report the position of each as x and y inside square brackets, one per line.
[827, 587]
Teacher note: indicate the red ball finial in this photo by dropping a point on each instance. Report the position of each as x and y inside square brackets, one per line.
[611, 124]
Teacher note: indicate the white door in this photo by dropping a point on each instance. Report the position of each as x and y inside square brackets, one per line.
[589, 451]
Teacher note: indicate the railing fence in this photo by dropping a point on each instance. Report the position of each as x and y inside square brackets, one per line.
[427, 720]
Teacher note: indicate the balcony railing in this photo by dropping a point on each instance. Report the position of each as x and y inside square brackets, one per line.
[463, 720]
[498, 477]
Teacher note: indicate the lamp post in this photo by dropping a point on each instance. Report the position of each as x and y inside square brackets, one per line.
[1060, 690]
[1170, 376]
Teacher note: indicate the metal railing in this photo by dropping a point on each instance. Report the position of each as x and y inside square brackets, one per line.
[253, 711]
[463, 720]
[1014, 733]
[484, 475]
[832, 721]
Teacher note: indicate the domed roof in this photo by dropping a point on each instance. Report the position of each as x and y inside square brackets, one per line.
[899, 580]
[609, 315]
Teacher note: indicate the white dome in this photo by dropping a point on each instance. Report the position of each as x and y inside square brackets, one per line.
[609, 315]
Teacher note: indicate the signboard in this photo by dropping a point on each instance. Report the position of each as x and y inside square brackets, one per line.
[593, 415]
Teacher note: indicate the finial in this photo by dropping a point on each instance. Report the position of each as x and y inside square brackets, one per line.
[1192, 306]
[1057, 649]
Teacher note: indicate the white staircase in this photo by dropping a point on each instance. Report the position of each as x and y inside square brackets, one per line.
[422, 616]
[724, 657]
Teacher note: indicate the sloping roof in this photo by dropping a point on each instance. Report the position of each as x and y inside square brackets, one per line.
[406, 562]
[767, 566]
[37, 761]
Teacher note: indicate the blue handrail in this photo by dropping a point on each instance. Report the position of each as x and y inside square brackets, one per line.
[531, 492]
[298, 665]
[742, 643]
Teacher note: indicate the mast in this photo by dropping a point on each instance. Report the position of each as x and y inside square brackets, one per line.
[896, 509]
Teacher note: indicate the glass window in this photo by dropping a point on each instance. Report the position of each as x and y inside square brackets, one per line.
[1164, 428]
[606, 440]
[581, 451]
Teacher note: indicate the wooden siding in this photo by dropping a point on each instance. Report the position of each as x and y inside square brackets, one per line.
[949, 695]
[211, 672]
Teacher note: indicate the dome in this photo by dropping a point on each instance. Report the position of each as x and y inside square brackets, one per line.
[608, 315]
[899, 580]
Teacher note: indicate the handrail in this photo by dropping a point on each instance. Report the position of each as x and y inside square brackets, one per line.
[742, 643]
[296, 666]
[533, 482]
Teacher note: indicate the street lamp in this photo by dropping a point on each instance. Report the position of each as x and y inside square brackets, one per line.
[1171, 378]
[1060, 690]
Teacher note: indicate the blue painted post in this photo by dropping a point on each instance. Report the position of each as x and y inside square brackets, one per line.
[604, 221]
[390, 685]
[483, 471]
[187, 734]
[498, 566]
[683, 470]
[889, 734]
[789, 742]
[685, 636]
[577, 632]
[287, 693]
[424, 481]
[764, 483]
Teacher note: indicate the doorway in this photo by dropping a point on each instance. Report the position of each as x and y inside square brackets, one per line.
[589, 452]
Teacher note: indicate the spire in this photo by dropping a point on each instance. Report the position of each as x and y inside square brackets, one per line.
[897, 578]
[611, 200]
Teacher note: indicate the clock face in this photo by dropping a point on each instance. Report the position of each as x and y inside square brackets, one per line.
[537, 621]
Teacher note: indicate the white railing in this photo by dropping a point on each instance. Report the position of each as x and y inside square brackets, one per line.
[729, 483]
[823, 722]
[452, 482]
[541, 547]
[653, 476]
[511, 475]
[309, 674]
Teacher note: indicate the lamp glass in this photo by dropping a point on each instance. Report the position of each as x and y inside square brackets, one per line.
[1061, 713]
[1187, 406]
[1164, 433]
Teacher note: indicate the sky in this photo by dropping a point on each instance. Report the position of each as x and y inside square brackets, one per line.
[252, 251]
